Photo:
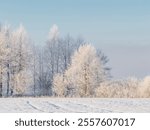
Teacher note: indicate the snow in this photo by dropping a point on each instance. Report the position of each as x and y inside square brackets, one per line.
[50, 105]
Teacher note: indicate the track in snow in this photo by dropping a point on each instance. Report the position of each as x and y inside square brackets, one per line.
[34, 107]
[51, 105]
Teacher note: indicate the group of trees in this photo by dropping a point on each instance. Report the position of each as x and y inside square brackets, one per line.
[27, 69]
[125, 88]
[84, 74]
[88, 76]
[62, 67]
[53, 58]
[14, 60]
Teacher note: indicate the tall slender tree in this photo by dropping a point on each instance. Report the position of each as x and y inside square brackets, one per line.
[20, 56]
[5, 58]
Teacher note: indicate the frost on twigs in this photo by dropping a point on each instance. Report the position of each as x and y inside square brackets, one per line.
[85, 72]
[144, 89]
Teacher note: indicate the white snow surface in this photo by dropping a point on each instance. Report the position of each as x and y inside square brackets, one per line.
[79, 105]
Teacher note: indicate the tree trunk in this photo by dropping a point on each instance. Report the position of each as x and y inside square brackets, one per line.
[8, 79]
[1, 85]
[34, 77]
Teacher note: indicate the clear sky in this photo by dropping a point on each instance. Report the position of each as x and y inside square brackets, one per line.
[121, 28]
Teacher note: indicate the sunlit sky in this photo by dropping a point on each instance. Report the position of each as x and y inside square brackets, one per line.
[120, 28]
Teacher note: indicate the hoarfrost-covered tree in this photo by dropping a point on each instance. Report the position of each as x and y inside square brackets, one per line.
[3, 54]
[52, 51]
[21, 54]
[85, 72]
[59, 85]
[21, 82]
[124, 88]
[57, 53]
[1, 63]
[144, 89]
[6, 47]
[35, 69]
[8, 57]
[104, 90]
[44, 75]
[68, 46]
[131, 86]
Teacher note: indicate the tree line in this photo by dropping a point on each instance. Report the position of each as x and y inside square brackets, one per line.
[62, 67]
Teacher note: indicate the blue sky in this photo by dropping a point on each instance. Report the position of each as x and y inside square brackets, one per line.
[121, 28]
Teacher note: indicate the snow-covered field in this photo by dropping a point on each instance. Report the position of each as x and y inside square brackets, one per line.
[73, 105]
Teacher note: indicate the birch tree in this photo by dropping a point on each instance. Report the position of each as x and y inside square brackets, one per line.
[2, 58]
[21, 54]
[6, 56]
